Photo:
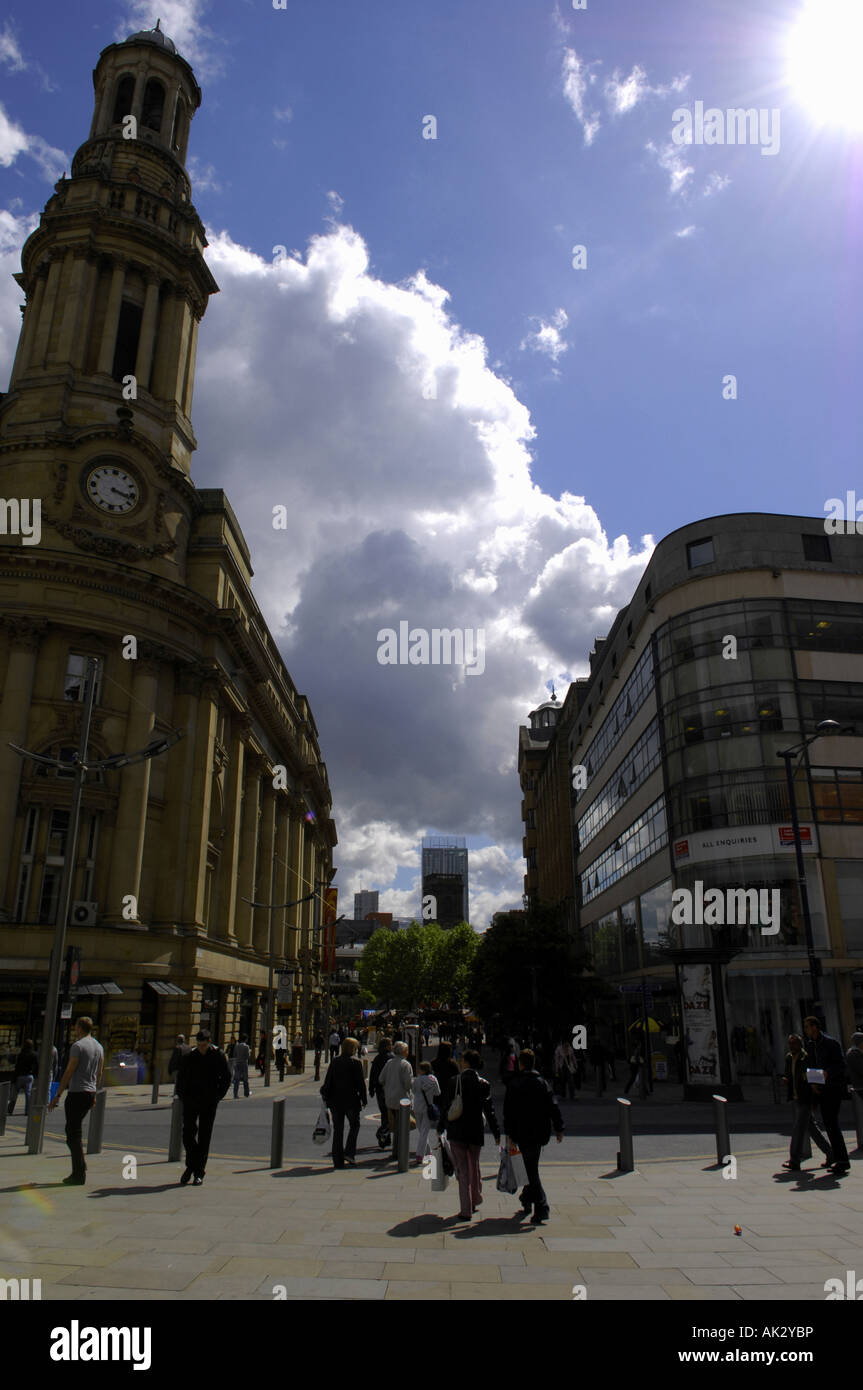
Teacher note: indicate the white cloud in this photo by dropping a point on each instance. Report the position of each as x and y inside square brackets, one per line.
[548, 337]
[14, 141]
[715, 184]
[203, 176]
[182, 22]
[671, 159]
[624, 93]
[14, 231]
[10, 53]
[685, 231]
[577, 77]
[336, 202]
[283, 113]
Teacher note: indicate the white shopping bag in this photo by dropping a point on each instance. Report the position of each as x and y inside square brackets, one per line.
[519, 1171]
[324, 1125]
[439, 1179]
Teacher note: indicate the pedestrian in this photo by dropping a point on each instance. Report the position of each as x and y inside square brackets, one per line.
[443, 1066]
[240, 1064]
[335, 1044]
[396, 1080]
[803, 1120]
[203, 1081]
[636, 1061]
[426, 1090]
[181, 1047]
[529, 1115]
[261, 1059]
[375, 1089]
[596, 1057]
[825, 1055]
[82, 1078]
[25, 1071]
[318, 1044]
[344, 1093]
[55, 1064]
[281, 1057]
[466, 1132]
[229, 1050]
[854, 1063]
[508, 1056]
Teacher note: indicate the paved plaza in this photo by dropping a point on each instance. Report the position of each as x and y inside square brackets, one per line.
[664, 1232]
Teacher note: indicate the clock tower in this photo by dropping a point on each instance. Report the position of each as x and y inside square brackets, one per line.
[96, 422]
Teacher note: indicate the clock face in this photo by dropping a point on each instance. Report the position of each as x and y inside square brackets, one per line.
[112, 489]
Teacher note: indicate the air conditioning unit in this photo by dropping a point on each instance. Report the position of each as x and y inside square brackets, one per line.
[83, 914]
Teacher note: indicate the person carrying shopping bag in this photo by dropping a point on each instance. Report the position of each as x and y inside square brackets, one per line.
[464, 1103]
[529, 1114]
[426, 1091]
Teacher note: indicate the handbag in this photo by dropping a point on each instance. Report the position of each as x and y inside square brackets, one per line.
[433, 1110]
[456, 1105]
[505, 1176]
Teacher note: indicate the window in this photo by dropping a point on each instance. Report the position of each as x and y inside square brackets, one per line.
[700, 553]
[128, 334]
[816, 547]
[124, 98]
[55, 853]
[636, 843]
[67, 754]
[74, 681]
[25, 871]
[154, 102]
[838, 794]
[657, 929]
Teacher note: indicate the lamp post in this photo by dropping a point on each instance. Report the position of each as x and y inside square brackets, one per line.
[827, 726]
[81, 767]
[271, 908]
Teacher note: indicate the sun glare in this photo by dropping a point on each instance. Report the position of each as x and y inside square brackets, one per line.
[825, 56]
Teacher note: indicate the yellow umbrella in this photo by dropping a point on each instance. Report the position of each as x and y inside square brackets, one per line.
[652, 1025]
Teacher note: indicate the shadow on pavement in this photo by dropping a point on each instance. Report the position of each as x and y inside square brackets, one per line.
[133, 1190]
[427, 1224]
[496, 1226]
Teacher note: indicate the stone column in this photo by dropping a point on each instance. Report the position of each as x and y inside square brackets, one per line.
[147, 340]
[28, 330]
[188, 683]
[79, 351]
[200, 795]
[241, 726]
[295, 879]
[105, 362]
[248, 848]
[189, 379]
[281, 878]
[24, 639]
[72, 300]
[127, 839]
[265, 876]
[46, 309]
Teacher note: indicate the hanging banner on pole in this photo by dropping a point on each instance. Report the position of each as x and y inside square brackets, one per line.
[328, 954]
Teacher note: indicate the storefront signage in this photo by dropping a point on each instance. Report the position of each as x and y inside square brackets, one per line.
[743, 842]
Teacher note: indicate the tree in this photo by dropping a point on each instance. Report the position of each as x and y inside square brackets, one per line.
[529, 976]
[394, 968]
[452, 954]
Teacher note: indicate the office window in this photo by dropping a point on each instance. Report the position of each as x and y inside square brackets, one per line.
[699, 553]
[816, 547]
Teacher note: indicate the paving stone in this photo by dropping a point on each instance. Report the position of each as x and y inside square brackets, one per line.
[479, 1274]
[334, 1288]
[418, 1290]
[494, 1256]
[689, 1293]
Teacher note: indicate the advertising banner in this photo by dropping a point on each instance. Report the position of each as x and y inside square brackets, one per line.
[699, 1025]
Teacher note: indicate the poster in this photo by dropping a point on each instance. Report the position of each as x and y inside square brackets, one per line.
[699, 1025]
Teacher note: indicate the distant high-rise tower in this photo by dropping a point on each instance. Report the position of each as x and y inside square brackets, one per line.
[444, 877]
[364, 903]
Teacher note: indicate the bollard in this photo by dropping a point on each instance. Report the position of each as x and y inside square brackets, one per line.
[625, 1160]
[157, 1077]
[175, 1143]
[720, 1120]
[277, 1138]
[403, 1137]
[858, 1117]
[36, 1128]
[5, 1096]
[97, 1123]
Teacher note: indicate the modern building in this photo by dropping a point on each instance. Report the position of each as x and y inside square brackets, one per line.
[139, 567]
[365, 902]
[744, 633]
[445, 879]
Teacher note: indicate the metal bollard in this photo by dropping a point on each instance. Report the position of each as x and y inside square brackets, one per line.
[625, 1160]
[404, 1134]
[858, 1117]
[277, 1139]
[5, 1094]
[157, 1077]
[97, 1123]
[720, 1120]
[36, 1128]
[175, 1143]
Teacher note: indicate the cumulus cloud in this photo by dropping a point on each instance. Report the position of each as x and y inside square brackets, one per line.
[182, 21]
[15, 141]
[624, 93]
[547, 338]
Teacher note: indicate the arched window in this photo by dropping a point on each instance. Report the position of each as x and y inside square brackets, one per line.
[124, 98]
[154, 103]
[178, 133]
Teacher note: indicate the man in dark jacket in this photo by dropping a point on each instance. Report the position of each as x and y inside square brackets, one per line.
[344, 1091]
[529, 1113]
[825, 1054]
[202, 1080]
[466, 1133]
[25, 1073]
[385, 1048]
[181, 1049]
[800, 1094]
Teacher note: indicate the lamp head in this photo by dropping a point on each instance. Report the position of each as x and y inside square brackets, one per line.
[827, 726]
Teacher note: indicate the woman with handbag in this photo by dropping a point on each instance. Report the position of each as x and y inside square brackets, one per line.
[464, 1103]
[426, 1112]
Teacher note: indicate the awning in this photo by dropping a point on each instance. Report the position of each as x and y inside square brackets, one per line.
[165, 987]
[106, 987]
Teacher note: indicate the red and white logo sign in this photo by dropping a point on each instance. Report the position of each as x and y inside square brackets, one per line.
[786, 835]
[681, 849]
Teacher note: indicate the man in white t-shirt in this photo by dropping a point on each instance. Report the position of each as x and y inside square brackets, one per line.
[82, 1078]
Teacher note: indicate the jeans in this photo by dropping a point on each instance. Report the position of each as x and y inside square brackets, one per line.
[241, 1073]
[198, 1122]
[830, 1098]
[25, 1084]
[465, 1159]
[78, 1103]
[341, 1151]
[533, 1191]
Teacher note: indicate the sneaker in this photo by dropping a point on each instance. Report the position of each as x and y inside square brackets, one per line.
[198, 1179]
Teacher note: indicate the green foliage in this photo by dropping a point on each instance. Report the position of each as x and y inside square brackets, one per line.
[425, 963]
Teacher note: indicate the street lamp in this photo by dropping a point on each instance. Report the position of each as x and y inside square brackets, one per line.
[827, 726]
[81, 767]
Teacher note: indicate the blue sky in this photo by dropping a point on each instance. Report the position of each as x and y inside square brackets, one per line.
[451, 259]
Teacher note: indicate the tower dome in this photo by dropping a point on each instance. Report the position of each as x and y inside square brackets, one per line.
[153, 36]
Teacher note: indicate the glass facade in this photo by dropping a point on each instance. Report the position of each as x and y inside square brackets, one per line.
[636, 843]
[636, 767]
[625, 707]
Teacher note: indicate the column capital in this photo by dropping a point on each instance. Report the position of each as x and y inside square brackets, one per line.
[24, 632]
